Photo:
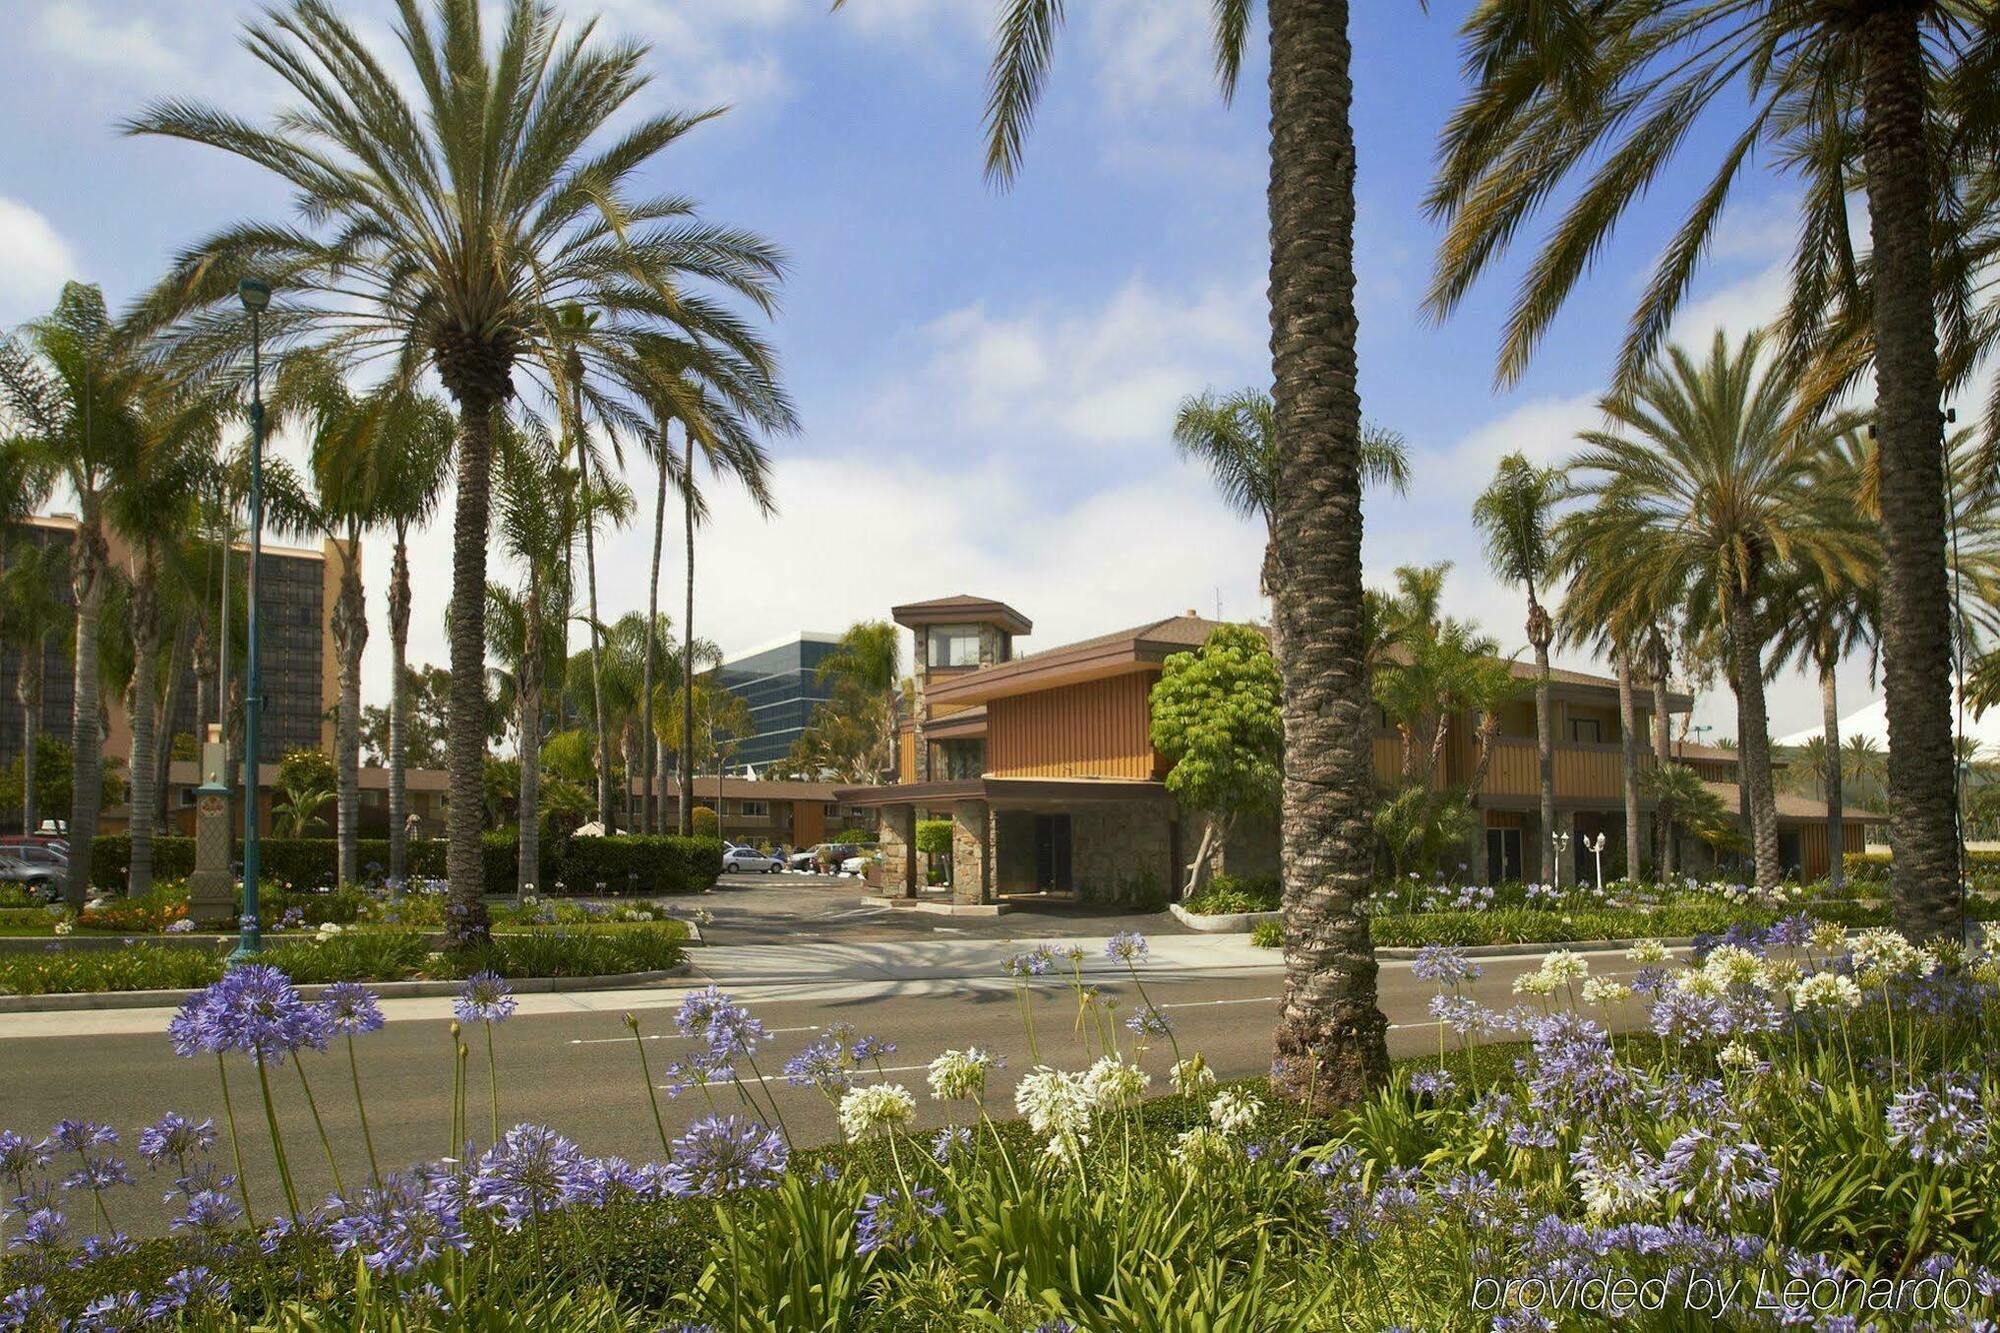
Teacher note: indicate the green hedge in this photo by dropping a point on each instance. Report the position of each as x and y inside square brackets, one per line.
[622, 864]
[303, 863]
[1525, 925]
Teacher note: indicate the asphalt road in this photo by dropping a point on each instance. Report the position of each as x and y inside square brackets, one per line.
[569, 1062]
[752, 909]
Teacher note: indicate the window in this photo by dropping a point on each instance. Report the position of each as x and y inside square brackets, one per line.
[954, 646]
[1586, 730]
[757, 809]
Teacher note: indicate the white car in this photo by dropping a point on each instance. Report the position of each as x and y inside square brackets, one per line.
[741, 860]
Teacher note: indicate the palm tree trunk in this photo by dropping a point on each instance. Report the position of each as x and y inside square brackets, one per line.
[1540, 633]
[528, 687]
[596, 679]
[1916, 625]
[1754, 742]
[1628, 745]
[1662, 755]
[350, 639]
[180, 670]
[87, 580]
[651, 811]
[1829, 703]
[145, 718]
[466, 721]
[687, 654]
[399, 646]
[1331, 1036]
[28, 690]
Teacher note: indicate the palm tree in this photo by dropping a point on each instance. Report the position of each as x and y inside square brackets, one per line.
[26, 473]
[1899, 87]
[1331, 1037]
[869, 662]
[412, 487]
[74, 390]
[1235, 436]
[538, 522]
[1516, 514]
[36, 617]
[450, 235]
[1703, 490]
[1819, 622]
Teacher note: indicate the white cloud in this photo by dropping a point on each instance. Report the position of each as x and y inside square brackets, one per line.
[34, 262]
[131, 45]
[1151, 52]
[1110, 376]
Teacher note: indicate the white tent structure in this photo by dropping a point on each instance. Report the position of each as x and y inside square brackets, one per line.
[1873, 722]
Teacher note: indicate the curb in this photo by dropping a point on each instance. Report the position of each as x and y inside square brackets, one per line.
[387, 990]
[938, 908]
[1236, 923]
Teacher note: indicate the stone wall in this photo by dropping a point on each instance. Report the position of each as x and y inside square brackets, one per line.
[971, 847]
[897, 831]
[1014, 851]
[1122, 851]
[1251, 852]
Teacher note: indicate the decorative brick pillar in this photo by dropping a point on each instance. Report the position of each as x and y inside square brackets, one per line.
[971, 852]
[899, 850]
[920, 707]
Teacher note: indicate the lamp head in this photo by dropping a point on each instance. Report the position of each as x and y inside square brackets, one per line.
[255, 295]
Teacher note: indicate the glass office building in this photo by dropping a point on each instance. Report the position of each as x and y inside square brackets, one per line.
[780, 684]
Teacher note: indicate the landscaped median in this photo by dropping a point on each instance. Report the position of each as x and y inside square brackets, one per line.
[361, 953]
[1405, 916]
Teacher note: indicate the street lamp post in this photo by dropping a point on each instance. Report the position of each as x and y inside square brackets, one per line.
[1561, 842]
[256, 296]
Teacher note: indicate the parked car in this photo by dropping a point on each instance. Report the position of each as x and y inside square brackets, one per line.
[741, 860]
[42, 882]
[858, 865]
[36, 852]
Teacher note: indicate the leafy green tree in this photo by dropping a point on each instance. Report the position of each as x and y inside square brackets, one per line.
[448, 219]
[425, 691]
[1516, 515]
[1701, 486]
[1589, 104]
[36, 617]
[933, 840]
[1216, 718]
[54, 775]
[306, 786]
[866, 671]
[1332, 1037]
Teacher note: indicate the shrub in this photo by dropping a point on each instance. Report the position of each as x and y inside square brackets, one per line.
[1268, 934]
[1228, 894]
[140, 967]
[704, 822]
[145, 915]
[573, 951]
[307, 863]
[354, 955]
[933, 837]
[631, 863]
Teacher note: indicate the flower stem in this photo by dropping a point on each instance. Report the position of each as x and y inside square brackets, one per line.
[493, 1081]
[235, 1143]
[312, 1104]
[652, 1093]
[354, 1068]
[277, 1139]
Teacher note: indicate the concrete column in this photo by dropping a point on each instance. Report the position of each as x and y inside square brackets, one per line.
[971, 852]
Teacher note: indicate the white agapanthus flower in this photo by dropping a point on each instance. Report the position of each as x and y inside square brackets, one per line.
[1827, 990]
[960, 1075]
[1732, 967]
[1828, 937]
[1201, 1147]
[1881, 954]
[1565, 967]
[1113, 1085]
[1699, 982]
[875, 1108]
[1605, 992]
[1534, 983]
[1647, 953]
[1737, 1055]
[1192, 1076]
[1055, 1103]
[1233, 1110]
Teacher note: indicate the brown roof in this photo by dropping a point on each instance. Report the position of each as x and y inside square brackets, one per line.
[1107, 654]
[962, 607]
[1796, 805]
[187, 773]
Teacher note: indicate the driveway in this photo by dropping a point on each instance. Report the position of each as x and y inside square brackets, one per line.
[776, 909]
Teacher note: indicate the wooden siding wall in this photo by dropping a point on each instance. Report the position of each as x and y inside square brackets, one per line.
[1813, 860]
[1097, 729]
[906, 756]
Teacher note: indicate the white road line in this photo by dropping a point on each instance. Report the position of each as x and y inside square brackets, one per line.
[674, 1036]
[779, 1078]
[1206, 1004]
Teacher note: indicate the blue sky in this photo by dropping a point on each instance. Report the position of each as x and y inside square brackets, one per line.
[986, 379]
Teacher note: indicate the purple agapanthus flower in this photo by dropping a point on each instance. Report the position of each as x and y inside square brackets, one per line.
[44, 1233]
[823, 1064]
[351, 1009]
[872, 1048]
[485, 998]
[1943, 1125]
[531, 1171]
[950, 1142]
[21, 1305]
[1444, 965]
[175, 1138]
[1433, 1083]
[721, 1155]
[83, 1136]
[209, 1214]
[1034, 963]
[1725, 1169]
[254, 1009]
[20, 1155]
[400, 1228]
[1127, 946]
[893, 1220]
[191, 1288]
[1150, 1022]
